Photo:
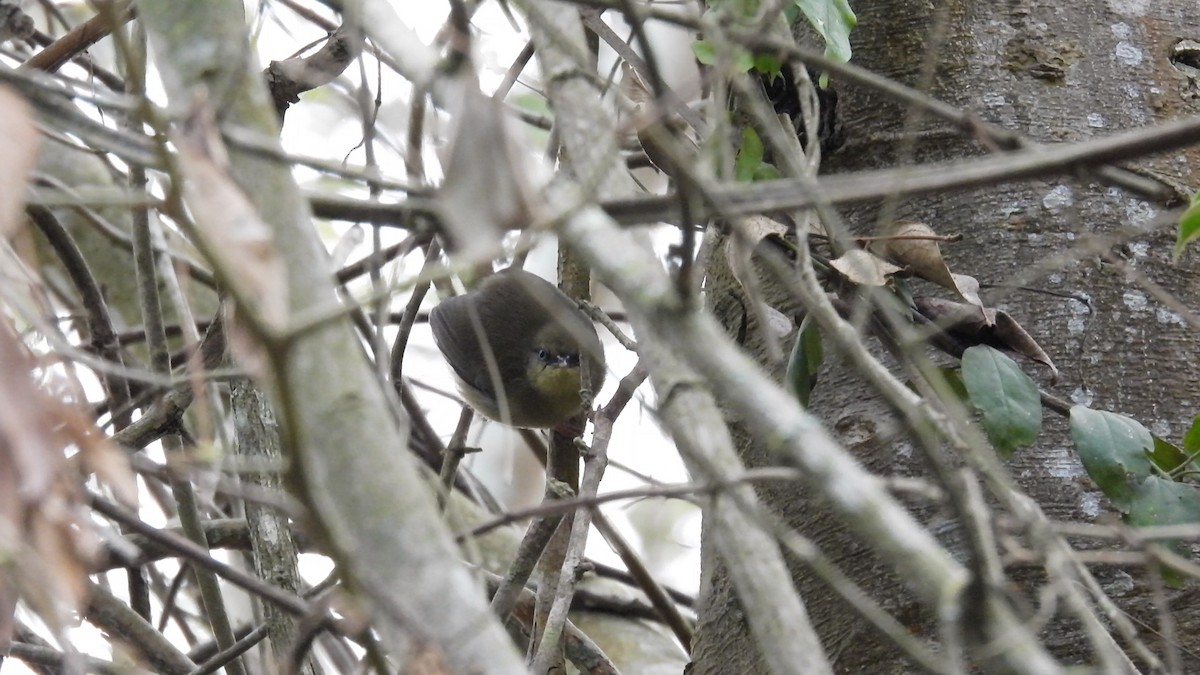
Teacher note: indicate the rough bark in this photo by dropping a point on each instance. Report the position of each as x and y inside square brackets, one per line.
[1054, 72]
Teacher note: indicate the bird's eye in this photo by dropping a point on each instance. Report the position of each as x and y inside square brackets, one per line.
[543, 354]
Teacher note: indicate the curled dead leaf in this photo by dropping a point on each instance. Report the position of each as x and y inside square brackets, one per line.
[21, 139]
[46, 540]
[969, 326]
[111, 466]
[780, 324]
[231, 234]
[756, 228]
[739, 248]
[58, 557]
[967, 288]
[914, 245]
[30, 440]
[864, 268]
[488, 186]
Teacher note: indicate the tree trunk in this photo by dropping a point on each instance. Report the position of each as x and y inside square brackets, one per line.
[1052, 72]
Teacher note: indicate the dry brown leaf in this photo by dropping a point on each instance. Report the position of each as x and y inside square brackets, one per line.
[740, 246]
[1011, 333]
[31, 443]
[962, 319]
[10, 538]
[111, 466]
[633, 86]
[967, 288]
[233, 235]
[56, 568]
[915, 246]
[250, 352]
[912, 246]
[992, 327]
[757, 228]
[864, 268]
[97, 454]
[43, 535]
[488, 188]
[21, 140]
[739, 249]
[780, 324]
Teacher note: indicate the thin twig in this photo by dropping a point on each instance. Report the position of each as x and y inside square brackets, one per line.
[200, 557]
[658, 597]
[530, 549]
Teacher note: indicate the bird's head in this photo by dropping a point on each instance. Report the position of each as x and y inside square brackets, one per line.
[553, 368]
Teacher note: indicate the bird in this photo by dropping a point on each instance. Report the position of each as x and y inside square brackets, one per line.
[522, 352]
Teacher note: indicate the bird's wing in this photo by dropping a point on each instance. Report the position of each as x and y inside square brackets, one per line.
[451, 325]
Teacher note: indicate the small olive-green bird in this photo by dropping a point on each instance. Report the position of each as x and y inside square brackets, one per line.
[521, 350]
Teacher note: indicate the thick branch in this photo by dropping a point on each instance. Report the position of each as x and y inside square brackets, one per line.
[740, 199]
[347, 449]
[777, 618]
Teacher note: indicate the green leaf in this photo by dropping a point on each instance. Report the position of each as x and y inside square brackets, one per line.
[749, 156]
[705, 52]
[1166, 455]
[1113, 450]
[1158, 501]
[766, 171]
[805, 361]
[531, 102]
[792, 13]
[768, 64]
[833, 20]
[1007, 397]
[749, 165]
[1189, 227]
[1191, 440]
